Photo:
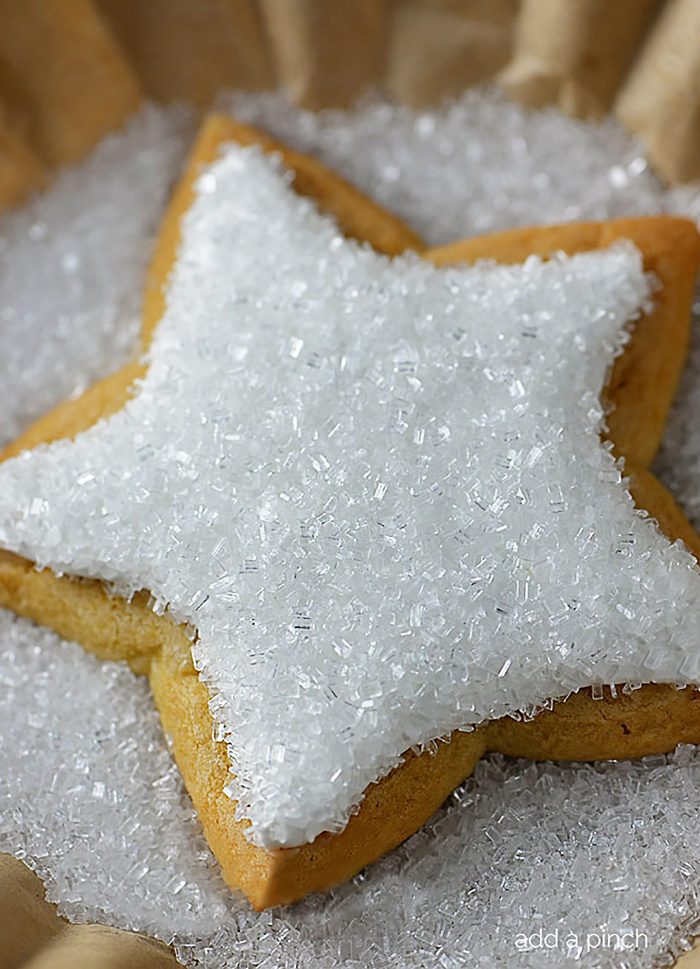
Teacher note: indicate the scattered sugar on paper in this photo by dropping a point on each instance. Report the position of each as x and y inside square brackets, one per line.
[478, 165]
[72, 266]
[661, 900]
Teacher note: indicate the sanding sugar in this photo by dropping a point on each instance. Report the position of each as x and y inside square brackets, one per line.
[480, 164]
[555, 859]
[72, 266]
[570, 848]
[376, 488]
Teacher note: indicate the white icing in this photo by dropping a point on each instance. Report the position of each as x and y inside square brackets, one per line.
[377, 490]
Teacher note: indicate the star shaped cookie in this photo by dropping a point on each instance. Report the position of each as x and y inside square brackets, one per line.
[347, 505]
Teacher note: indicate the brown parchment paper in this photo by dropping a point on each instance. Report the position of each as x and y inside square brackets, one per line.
[20, 168]
[32, 936]
[574, 53]
[189, 50]
[62, 69]
[439, 47]
[661, 99]
[328, 53]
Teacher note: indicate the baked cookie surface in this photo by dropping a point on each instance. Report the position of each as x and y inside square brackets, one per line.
[395, 806]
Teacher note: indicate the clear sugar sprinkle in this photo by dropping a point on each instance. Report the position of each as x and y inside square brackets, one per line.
[564, 847]
[579, 854]
[72, 267]
[478, 165]
[404, 526]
